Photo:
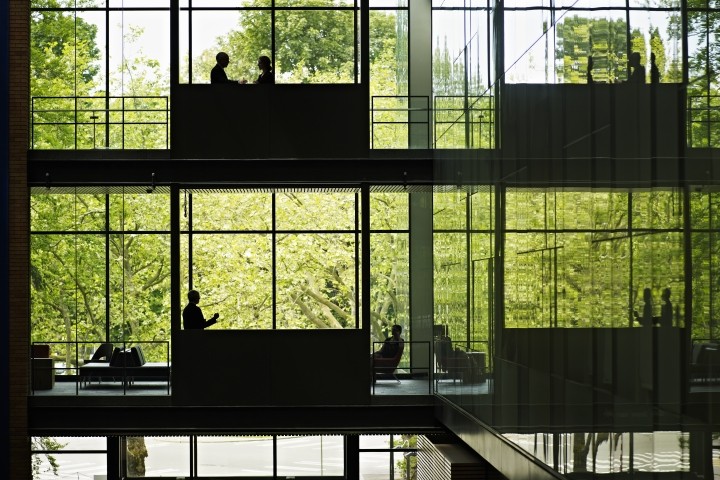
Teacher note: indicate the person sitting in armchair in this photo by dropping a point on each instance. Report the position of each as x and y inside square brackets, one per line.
[387, 358]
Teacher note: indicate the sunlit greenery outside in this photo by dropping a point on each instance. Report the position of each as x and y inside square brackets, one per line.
[100, 264]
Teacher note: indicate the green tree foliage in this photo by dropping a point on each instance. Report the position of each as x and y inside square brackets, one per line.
[69, 291]
[45, 444]
[64, 61]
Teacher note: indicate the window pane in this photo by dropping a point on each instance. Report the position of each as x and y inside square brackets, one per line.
[233, 274]
[137, 212]
[328, 59]
[235, 456]
[389, 211]
[316, 281]
[228, 211]
[315, 211]
[389, 284]
[158, 456]
[310, 456]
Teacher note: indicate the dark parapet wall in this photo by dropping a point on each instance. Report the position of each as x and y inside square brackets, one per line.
[599, 132]
[269, 121]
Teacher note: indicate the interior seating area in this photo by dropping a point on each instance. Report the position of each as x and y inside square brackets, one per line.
[127, 364]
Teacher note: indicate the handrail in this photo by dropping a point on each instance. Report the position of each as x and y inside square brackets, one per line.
[56, 119]
[475, 114]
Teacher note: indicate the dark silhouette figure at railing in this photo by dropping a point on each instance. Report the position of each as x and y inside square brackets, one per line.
[589, 70]
[654, 71]
[638, 71]
[386, 360]
[192, 315]
[666, 311]
[217, 74]
[646, 320]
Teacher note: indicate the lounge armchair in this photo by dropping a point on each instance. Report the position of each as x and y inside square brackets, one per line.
[386, 366]
[451, 363]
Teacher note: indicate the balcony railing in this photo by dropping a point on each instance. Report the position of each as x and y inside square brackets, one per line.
[69, 369]
[114, 122]
[454, 120]
[464, 122]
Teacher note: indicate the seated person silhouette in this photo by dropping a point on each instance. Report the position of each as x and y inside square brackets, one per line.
[217, 74]
[387, 358]
[391, 344]
[192, 315]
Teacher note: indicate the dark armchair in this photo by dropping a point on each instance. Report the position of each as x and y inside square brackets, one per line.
[386, 366]
[451, 363]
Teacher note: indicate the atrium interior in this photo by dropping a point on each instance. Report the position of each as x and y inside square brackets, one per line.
[526, 188]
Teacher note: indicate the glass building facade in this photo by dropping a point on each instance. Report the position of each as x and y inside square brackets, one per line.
[535, 206]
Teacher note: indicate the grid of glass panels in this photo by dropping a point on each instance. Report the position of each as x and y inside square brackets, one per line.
[100, 271]
[99, 74]
[274, 260]
[68, 457]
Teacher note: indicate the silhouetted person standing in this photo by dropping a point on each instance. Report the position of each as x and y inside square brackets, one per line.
[647, 316]
[666, 311]
[192, 315]
[217, 74]
[654, 71]
[638, 71]
[589, 69]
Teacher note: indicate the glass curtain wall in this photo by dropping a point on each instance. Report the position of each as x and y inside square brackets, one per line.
[601, 308]
[274, 260]
[291, 259]
[100, 272]
[99, 74]
[463, 73]
[702, 76]
[278, 29]
[464, 263]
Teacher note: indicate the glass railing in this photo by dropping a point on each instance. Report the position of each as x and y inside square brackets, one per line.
[99, 368]
[401, 369]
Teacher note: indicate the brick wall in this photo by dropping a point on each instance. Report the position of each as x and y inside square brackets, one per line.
[19, 238]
